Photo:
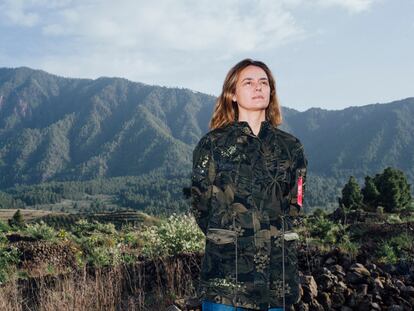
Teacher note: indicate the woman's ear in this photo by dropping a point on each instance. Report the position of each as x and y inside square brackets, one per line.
[233, 98]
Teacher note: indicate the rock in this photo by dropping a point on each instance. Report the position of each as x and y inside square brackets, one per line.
[338, 270]
[399, 284]
[337, 299]
[391, 289]
[407, 291]
[404, 303]
[357, 274]
[389, 301]
[302, 306]
[355, 278]
[364, 302]
[378, 283]
[411, 300]
[375, 274]
[389, 268]
[326, 281]
[351, 300]
[325, 300]
[315, 306]
[359, 269]
[330, 261]
[309, 287]
[362, 289]
[342, 285]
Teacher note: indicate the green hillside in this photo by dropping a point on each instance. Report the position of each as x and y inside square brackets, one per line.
[55, 129]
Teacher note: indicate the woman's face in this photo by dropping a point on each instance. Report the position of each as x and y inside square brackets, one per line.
[252, 89]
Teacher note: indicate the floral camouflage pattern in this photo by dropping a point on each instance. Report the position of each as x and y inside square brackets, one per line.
[244, 193]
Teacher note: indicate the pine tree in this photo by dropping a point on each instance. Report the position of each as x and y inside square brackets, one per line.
[394, 190]
[370, 193]
[17, 220]
[351, 194]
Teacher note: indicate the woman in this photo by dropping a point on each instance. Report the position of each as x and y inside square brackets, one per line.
[247, 182]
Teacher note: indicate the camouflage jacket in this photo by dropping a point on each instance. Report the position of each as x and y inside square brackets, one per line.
[245, 189]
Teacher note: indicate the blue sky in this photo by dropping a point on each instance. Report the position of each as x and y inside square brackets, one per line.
[324, 53]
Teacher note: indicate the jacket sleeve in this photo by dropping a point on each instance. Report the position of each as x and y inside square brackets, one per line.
[298, 180]
[203, 174]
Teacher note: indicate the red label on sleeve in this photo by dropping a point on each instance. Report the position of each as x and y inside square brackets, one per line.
[300, 191]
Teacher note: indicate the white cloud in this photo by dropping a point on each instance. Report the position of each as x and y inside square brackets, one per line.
[27, 13]
[353, 6]
[14, 12]
[145, 40]
[165, 42]
[178, 25]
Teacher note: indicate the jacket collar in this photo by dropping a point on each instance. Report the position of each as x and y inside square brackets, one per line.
[245, 127]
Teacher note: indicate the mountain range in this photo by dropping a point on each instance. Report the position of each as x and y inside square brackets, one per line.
[54, 128]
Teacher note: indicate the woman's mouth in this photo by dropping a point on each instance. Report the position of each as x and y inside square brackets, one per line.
[258, 97]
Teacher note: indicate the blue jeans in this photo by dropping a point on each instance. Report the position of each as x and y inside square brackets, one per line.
[212, 306]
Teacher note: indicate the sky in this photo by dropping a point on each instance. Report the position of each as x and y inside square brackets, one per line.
[330, 54]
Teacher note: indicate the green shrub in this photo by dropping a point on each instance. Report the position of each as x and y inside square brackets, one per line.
[400, 247]
[9, 257]
[84, 228]
[318, 212]
[99, 243]
[104, 256]
[348, 246]
[394, 219]
[132, 239]
[41, 231]
[386, 254]
[324, 229]
[330, 233]
[4, 227]
[177, 234]
[63, 234]
[128, 258]
[17, 220]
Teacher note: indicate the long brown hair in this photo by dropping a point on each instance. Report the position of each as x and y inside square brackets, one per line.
[226, 111]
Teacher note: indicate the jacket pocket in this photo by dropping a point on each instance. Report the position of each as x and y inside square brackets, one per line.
[219, 256]
[285, 281]
[291, 236]
[221, 236]
[291, 241]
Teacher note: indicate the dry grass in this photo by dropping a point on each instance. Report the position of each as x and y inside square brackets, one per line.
[139, 287]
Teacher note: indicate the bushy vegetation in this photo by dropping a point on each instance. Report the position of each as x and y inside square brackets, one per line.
[9, 256]
[17, 220]
[328, 234]
[101, 244]
[397, 248]
[41, 231]
[177, 234]
[389, 189]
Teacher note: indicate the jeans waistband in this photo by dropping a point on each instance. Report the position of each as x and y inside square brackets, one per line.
[213, 306]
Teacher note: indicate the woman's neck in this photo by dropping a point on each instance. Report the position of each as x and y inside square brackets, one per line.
[254, 118]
